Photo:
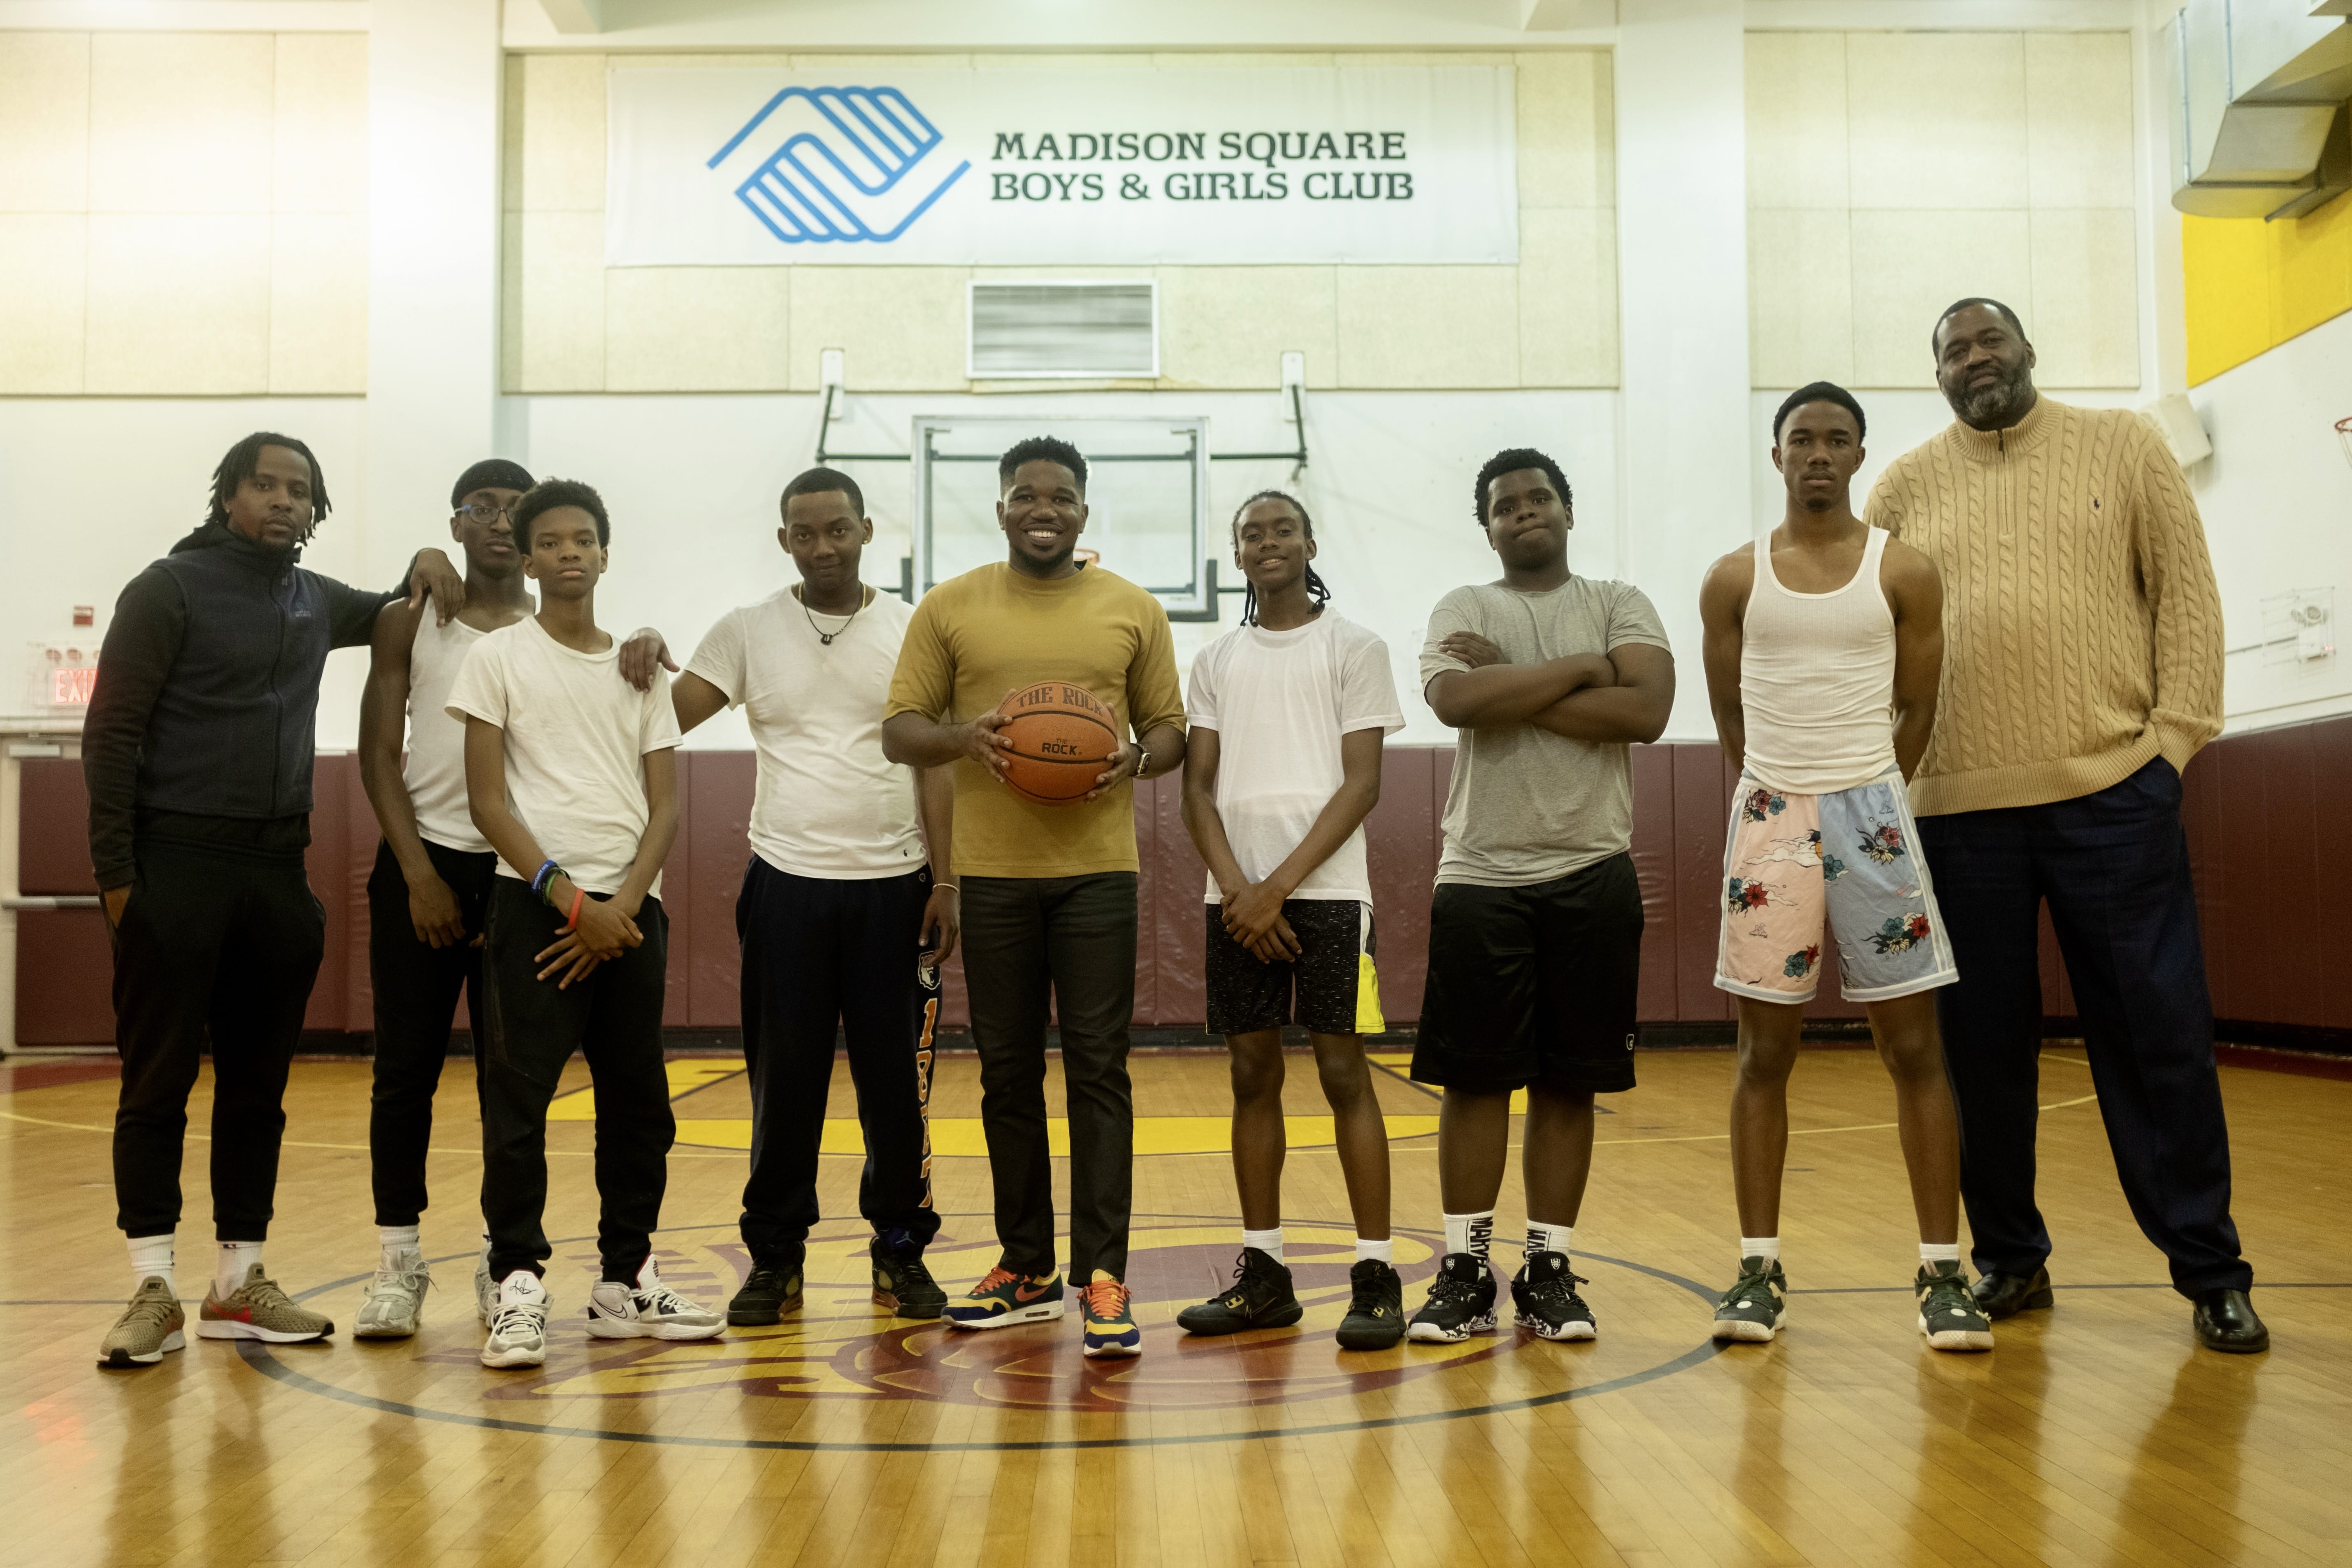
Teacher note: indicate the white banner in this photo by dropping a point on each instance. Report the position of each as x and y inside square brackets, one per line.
[747, 166]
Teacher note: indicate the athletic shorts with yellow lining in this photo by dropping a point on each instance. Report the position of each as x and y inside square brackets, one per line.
[1335, 986]
[1791, 860]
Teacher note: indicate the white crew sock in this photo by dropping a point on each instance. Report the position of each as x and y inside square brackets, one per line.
[149, 1255]
[1542, 1237]
[1931, 1253]
[1766, 1247]
[1383, 1250]
[399, 1238]
[1471, 1233]
[230, 1266]
[1267, 1241]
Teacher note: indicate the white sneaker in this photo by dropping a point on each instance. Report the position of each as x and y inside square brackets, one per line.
[651, 1310]
[396, 1302]
[486, 1290]
[518, 1326]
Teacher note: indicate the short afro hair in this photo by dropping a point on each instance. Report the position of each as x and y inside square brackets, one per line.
[1820, 391]
[1510, 460]
[817, 481]
[1042, 448]
[1936, 333]
[548, 495]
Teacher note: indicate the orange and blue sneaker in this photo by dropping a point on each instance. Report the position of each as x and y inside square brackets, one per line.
[1002, 1299]
[1110, 1317]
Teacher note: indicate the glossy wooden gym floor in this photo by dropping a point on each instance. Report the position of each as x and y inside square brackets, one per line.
[2097, 1433]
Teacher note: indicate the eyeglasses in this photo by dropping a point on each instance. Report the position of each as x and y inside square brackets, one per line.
[481, 513]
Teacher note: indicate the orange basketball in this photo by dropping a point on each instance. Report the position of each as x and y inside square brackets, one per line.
[1063, 737]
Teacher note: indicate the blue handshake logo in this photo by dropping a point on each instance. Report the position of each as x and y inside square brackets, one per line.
[846, 165]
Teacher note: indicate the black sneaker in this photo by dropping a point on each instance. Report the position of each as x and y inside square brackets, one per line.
[1375, 1319]
[903, 1284]
[1544, 1300]
[1261, 1297]
[766, 1295]
[1460, 1303]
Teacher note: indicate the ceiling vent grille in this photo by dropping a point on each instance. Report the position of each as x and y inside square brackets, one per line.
[1063, 330]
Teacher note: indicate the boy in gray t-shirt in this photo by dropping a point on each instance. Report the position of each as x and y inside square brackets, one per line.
[1535, 935]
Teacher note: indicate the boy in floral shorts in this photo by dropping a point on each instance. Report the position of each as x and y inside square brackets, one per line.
[1825, 644]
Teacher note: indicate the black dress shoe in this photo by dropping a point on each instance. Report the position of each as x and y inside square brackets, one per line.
[2225, 1320]
[2002, 1295]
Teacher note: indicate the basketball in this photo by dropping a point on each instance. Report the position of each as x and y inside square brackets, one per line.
[1063, 737]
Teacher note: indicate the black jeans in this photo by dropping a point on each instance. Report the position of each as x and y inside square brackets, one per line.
[2114, 867]
[216, 952]
[416, 988]
[1071, 939]
[820, 953]
[614, 1018]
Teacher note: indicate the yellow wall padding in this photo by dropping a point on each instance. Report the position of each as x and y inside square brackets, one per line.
[2250, 286]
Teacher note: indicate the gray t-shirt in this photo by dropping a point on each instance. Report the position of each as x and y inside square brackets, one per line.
[1527, 806]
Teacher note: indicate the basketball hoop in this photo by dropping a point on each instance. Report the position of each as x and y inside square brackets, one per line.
[2344, 438]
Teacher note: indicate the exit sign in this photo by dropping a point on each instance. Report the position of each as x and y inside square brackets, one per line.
[71, 688]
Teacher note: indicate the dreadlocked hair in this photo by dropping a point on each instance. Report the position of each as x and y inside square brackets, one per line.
[244, 460]
[1316, 587]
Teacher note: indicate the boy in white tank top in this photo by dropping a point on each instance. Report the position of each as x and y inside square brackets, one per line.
[432, 871]
[1824, 647]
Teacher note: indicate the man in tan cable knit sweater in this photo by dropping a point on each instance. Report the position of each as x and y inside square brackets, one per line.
[2082, 671]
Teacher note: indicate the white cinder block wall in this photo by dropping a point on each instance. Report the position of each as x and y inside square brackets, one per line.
[184, 252]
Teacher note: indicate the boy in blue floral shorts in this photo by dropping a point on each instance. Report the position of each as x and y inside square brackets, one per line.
[1824, 643]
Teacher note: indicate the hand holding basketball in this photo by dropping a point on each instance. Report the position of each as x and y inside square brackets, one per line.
[985, 743]
[1124, 762]
[1057, 737]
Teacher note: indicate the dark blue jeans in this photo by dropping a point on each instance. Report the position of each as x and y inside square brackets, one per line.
[2115, 868]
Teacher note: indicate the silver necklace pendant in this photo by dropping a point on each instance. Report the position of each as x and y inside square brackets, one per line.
[825, 638]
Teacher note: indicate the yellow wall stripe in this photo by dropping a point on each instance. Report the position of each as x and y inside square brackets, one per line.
[2249, 286]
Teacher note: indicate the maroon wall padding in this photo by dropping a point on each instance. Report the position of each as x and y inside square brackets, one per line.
[65, 974]
[1401, 850]
[2249, 808]
[53, 851]
[2331, 756]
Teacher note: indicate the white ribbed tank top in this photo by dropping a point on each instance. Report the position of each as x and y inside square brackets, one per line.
[1817, 679]
[435, 773]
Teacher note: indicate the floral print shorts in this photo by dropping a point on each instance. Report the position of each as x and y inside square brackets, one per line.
[1853, 856]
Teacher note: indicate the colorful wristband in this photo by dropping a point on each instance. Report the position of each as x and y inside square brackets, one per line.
[578, 893]
[540, 879]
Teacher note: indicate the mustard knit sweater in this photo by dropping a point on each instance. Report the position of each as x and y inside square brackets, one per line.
[2082, 628]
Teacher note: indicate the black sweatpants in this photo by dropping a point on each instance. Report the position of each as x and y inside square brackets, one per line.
[614, 1018]
[1072, 940]
[820, 953]
[216, 951]
[2114, 869]
[416, 988]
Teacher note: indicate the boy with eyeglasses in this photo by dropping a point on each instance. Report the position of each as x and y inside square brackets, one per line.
[432, 878]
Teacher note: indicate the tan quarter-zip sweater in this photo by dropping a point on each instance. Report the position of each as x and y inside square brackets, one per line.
[2082, 628]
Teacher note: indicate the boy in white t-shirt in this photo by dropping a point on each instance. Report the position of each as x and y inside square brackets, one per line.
[1288, 714]
[847, 911]
[572, 776]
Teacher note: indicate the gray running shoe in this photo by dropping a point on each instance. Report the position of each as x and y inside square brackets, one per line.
[518, 1326]
[258, 1309]
[1948, 1314]
[1752, 1309]
[150, 1325]
[396, 1302]
[486, 1290]
[648, 1311]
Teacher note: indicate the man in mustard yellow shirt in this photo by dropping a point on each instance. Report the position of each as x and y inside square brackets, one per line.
[1048, 891]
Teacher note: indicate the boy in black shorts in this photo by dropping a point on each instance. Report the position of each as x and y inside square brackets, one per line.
[1535, 933]
[1287, 712]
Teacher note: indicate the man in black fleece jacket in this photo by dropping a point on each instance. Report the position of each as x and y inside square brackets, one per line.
[197, 755]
